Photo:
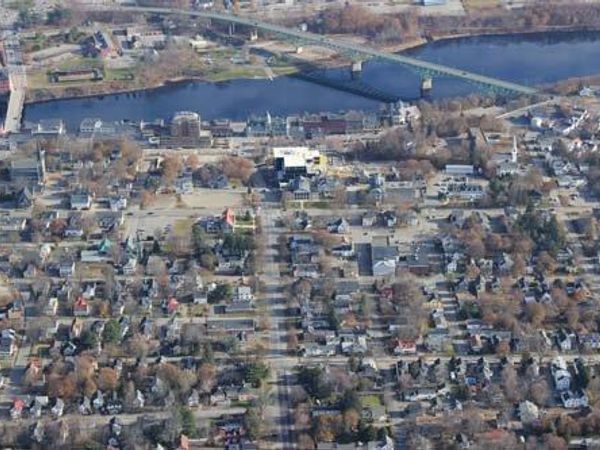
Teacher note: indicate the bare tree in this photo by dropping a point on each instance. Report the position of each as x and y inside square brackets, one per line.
[511, 384]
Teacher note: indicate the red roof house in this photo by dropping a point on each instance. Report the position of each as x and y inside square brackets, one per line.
[81, 307]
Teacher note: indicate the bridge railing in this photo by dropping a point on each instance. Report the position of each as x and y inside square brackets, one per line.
[345, 47]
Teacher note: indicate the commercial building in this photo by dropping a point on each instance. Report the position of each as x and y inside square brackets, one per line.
[91, 74]
[186, 124]
[460, 170]
[293, 162]
[49, 127]
[29, 171]
[5, 85]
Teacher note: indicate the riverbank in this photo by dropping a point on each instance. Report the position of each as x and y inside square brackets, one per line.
[100, 89]
[540, 60]
[478, 32]
[537, 60]
[90, 90]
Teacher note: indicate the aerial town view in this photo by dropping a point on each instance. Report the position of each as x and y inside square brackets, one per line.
[300, 224]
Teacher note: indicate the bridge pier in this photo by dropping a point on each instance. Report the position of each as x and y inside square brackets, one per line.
[254, 35]
[231, 29]
[356, 70]
[426, 85]
[348, 48]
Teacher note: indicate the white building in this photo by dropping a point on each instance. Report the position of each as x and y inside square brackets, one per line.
[292, 162]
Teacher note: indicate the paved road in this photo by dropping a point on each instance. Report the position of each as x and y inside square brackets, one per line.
[280, 413]
[18, 79]
[520, 111]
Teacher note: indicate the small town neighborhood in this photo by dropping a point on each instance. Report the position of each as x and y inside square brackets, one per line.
[135, 281]
[424, 275]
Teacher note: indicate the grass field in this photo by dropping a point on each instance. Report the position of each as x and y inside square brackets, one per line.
[230, 73]
[478, 5]
[370, 401]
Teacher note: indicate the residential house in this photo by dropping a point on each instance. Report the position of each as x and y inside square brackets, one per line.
[76, 328]
[146, 328]
[51, 307]
[29, 171]
[438, 339]
[560, 374]
[590, 341]
[346, 289]
[130, 266]
[8, 343]
[80, 201]
[306, 271]
[89, 291]
[231, 260]
[405, 347]
[243, 294]
[339, 226]
[228, 221]
[15, 310]
[171, 306]
[31, 271]
[81, 307]
[16, 411]
[24, 198]
[193, 399]
[369, 219]
[68, 349]
[117, 203]
[85, 407]
[389, 219]
[300, 188]
[10, 224]
[139, 400]
[302, 220]
[574, 400]
[383, 260]
[344, 250]
[58, 408]
[74, 227]
[66, 268]
[565, 340]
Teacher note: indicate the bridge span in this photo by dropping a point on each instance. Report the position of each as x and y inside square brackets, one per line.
[426, 69]
[18, 85]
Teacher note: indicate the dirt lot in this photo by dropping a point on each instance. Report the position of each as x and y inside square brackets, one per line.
[167, 211]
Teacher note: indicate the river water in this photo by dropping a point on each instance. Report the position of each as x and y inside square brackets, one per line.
[527, 59]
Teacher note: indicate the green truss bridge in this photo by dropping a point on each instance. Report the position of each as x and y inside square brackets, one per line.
[426, 69]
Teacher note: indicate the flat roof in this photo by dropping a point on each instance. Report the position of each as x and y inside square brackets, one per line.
[295, 153]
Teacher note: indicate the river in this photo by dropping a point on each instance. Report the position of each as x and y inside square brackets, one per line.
[528, 59]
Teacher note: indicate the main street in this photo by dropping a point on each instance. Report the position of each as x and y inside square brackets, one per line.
[279, 413]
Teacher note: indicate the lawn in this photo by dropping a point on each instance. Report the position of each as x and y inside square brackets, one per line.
[478, 5]
[183, 227]
[78, 62]
[370, 401]
[119, 74]
[316, 205]
[38, 80]
[231, 73]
